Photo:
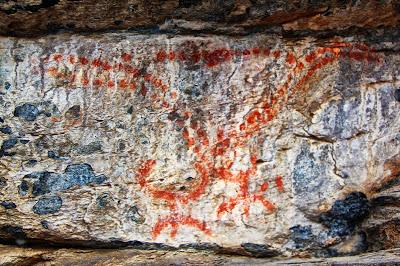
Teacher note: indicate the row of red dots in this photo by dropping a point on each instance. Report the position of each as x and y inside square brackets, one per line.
[84, 61]
[122, 83]
[214, 57]
[106, 66]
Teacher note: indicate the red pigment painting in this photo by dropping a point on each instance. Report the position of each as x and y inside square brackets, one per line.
[208, 148]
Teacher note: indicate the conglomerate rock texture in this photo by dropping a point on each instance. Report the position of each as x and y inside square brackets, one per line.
[257, 144]
[262, 128]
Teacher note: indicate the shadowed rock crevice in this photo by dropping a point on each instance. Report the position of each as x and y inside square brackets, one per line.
[33, 18]
[29, 256]
[343, 233]
[17, 235]
[346, 214]
[11, 7]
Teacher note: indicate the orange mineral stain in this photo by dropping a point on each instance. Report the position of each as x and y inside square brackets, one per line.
[83, 60]
[57, 58]
[144, 171]
[174, 221]
[126, 57]
[291, 59]
[279, 183]
[161, 56]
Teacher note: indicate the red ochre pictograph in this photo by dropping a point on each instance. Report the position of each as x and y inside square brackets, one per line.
[80, 71]
[215, 154]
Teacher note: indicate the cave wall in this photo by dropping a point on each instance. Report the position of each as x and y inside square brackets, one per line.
[242, 127]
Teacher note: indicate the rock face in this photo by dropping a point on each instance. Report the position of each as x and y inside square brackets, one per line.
[257, 145]
[11, 255]
[36, 17]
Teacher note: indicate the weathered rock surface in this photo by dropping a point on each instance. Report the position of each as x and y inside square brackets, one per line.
[50, 256]
[36, 17]
[257, 145]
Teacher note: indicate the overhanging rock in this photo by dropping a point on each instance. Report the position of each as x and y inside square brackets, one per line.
[258, 144]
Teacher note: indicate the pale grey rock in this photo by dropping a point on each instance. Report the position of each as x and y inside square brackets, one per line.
[256, 145]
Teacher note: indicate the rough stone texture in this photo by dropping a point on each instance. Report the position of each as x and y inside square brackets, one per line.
[50, 256]
[36, 17]
[258, 145]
